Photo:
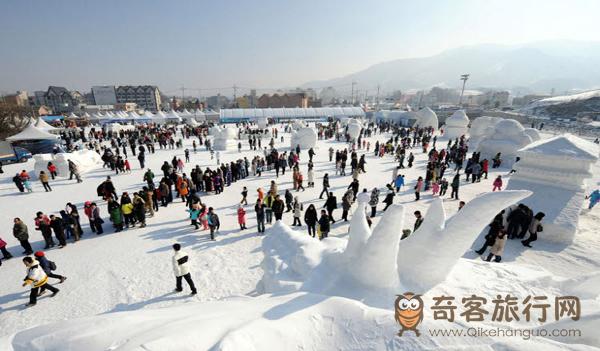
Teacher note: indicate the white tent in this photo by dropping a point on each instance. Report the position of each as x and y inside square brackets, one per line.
[73, 115]
[160, 117]
[86, 115]
[43, 125]
[173, 117]
[199, 115]
[32, 133]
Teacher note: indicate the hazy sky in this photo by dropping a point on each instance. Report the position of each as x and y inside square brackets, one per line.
[261, 44]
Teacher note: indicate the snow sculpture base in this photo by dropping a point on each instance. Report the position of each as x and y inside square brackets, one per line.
[86, 160]
[373, 266]
[224, 144]
[427, 118]
[456, 125]
[306, 137]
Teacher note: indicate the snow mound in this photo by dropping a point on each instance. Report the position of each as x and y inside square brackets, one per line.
[507, 137]
[86, 161]
[373, 265]
[224, 138]
[298, 124]
[533, 133]
[353, 128]
[262, 122]
[306, 137]
[427, 118]
[567, 98]
[457, 125]
[555, 171]
[481, 128]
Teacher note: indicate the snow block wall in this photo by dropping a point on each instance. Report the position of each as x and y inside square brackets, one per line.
[86, 160]
[306, 137]
[555, 171]
[506, 137]
[373, 265]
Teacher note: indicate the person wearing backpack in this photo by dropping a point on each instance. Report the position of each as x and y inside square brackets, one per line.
[38, 279]
[48, 266]
[181, 269]
[213, 222]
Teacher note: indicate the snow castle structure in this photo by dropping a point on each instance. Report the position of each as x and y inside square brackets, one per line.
[427, 118]
[555, 170]
[507, 137]
[306, 137]
[86, 161]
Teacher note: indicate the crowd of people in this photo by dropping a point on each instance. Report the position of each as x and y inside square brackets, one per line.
[179, 179]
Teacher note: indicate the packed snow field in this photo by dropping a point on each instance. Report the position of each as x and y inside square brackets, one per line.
[119, 292]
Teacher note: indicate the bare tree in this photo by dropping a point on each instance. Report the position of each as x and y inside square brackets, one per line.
[13, 119]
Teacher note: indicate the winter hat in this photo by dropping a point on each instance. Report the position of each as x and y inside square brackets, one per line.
[39, 254]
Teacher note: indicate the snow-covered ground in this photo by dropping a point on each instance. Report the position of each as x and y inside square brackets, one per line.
[119, 293]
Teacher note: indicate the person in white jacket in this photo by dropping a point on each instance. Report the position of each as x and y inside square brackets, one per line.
[181, 269]
[37, 278]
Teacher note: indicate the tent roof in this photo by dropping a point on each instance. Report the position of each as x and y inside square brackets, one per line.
[40, 123]
[32, 133]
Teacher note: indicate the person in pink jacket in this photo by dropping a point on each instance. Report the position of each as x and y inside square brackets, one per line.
[497, 184]
[418, 188]
[204, 217]
[435, 188]
[241, 213]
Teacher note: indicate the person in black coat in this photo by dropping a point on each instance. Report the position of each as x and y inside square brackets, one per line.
[324, 225]
[354, 186]
[278, 206]
[259, 208]
[495, 228]
[19, 183]
[310, 218]
[59, 230]
[389, 197]
[325, 186]
[330, 205]
[516, 221]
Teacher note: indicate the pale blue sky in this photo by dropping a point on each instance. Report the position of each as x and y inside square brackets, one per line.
[263, 44]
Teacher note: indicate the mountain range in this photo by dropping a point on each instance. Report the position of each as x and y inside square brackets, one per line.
[529, 68]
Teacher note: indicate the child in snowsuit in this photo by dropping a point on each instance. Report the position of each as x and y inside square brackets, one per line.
[241, 214]
[497, 184]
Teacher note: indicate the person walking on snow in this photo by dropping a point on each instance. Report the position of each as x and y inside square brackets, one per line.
[48, 266]
[37, 278]
[181, 268]
[213, 222]
[21, 233]
[241, 215]
[497, 183]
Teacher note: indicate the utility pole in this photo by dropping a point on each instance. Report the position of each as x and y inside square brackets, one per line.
[234, 92]
[352, 99]
[377, 101]
[464, 78]
[183, 96]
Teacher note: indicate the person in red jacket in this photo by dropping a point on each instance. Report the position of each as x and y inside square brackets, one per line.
[241, 213]
[52, 169]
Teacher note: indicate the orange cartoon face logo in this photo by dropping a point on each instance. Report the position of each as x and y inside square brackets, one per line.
[408, 312]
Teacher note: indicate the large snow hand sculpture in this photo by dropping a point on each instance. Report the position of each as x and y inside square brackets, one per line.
[373, 266]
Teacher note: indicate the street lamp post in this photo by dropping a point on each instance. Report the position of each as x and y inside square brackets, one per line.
[464, 78]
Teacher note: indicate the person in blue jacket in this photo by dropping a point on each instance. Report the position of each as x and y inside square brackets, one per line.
[399, 182]
[594, 198]
[194, 214]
